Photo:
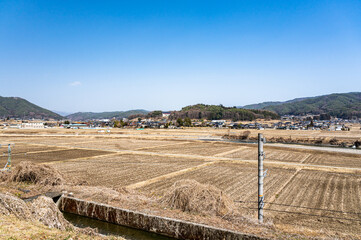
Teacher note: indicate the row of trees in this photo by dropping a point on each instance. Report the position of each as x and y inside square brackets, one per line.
[216, 112]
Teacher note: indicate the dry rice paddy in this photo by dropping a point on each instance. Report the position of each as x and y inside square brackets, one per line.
[297, 199]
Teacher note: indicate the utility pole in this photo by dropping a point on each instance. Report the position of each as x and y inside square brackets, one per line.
[261, 140]
[9, 158]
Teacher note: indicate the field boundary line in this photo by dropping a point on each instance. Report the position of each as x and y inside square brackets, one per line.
[273, 198]
[83, 158]
[229, 152]
[85, 148]
[65, 144]
[34, 152]
[306, 157]
[297, 165]
[205, 158]
[169, 175]
[165, 145]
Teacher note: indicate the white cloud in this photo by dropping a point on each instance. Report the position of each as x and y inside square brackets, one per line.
[76, 83]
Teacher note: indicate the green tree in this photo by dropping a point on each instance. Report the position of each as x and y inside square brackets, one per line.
[116, 123]
[123, 124]
[155, 114]
[179, 122]
[187, 122]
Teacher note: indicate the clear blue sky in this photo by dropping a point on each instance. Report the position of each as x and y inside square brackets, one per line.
[119, 55]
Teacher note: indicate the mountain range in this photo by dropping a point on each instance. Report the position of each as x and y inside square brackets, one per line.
[342, 105]
[83, 116]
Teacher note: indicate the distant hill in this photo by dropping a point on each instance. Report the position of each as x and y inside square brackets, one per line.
[343, 105]
[20, 108]
[216, 112]
[267, 104]
[83, 116]
[61, 113]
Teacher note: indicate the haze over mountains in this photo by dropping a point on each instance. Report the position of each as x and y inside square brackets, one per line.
[83, 116]
[343, 105]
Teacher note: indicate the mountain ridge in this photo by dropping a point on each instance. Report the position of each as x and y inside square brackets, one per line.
[343, 105]
[217, 112]
[83, 116]
[16, 107]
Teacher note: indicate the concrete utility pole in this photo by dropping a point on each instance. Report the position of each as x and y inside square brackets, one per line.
[9, 158]
[261, 140]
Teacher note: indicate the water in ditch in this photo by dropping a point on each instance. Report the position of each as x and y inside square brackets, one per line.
[106, 228]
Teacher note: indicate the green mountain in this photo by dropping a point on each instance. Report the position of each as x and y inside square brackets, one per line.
[342, 105]
[83, 116]
[16, 107]
[267, 104]
[216, 112]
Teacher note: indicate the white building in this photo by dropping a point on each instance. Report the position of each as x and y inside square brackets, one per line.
[165, 114]
[32, 125]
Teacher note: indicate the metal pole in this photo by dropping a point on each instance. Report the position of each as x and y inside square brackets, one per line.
[260, 177]
[9, 158]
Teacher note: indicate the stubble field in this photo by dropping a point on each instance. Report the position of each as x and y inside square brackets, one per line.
[306, 191]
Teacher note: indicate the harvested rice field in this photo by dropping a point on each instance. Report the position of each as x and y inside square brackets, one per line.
[197, 148]
[21, 148]
[123, 170]
[301, 197]
[238, 180]
[322, 199]
[122, 144]
[56, 155]
[302, 156]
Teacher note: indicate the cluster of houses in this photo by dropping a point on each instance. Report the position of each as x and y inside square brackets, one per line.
[24, 125]
[286, 123]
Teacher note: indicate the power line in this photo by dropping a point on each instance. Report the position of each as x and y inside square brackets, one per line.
[306, 214]
[287, 205]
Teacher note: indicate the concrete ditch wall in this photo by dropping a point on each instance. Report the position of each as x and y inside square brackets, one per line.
[161, 225]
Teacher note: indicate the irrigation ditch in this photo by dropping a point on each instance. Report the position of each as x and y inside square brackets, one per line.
[136, 225]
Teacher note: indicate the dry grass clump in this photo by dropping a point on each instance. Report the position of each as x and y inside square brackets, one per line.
[10, 204]
[36, 173]
[192, 196]
[45, 210]
[245, 135]
[42, 209]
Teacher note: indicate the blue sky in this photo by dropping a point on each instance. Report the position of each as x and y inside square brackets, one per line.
[119, 55]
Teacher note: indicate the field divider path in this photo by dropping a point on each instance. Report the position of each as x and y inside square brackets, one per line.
[83, 158]
[306, 157]
[164, 145]
[41, 151]
[229, 152]
[273, 198]
[89, 141]
[70, 147]
[169, 175]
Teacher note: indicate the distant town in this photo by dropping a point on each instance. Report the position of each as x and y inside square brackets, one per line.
[165, 121]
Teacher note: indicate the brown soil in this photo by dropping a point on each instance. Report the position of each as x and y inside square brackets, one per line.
[57, 155]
